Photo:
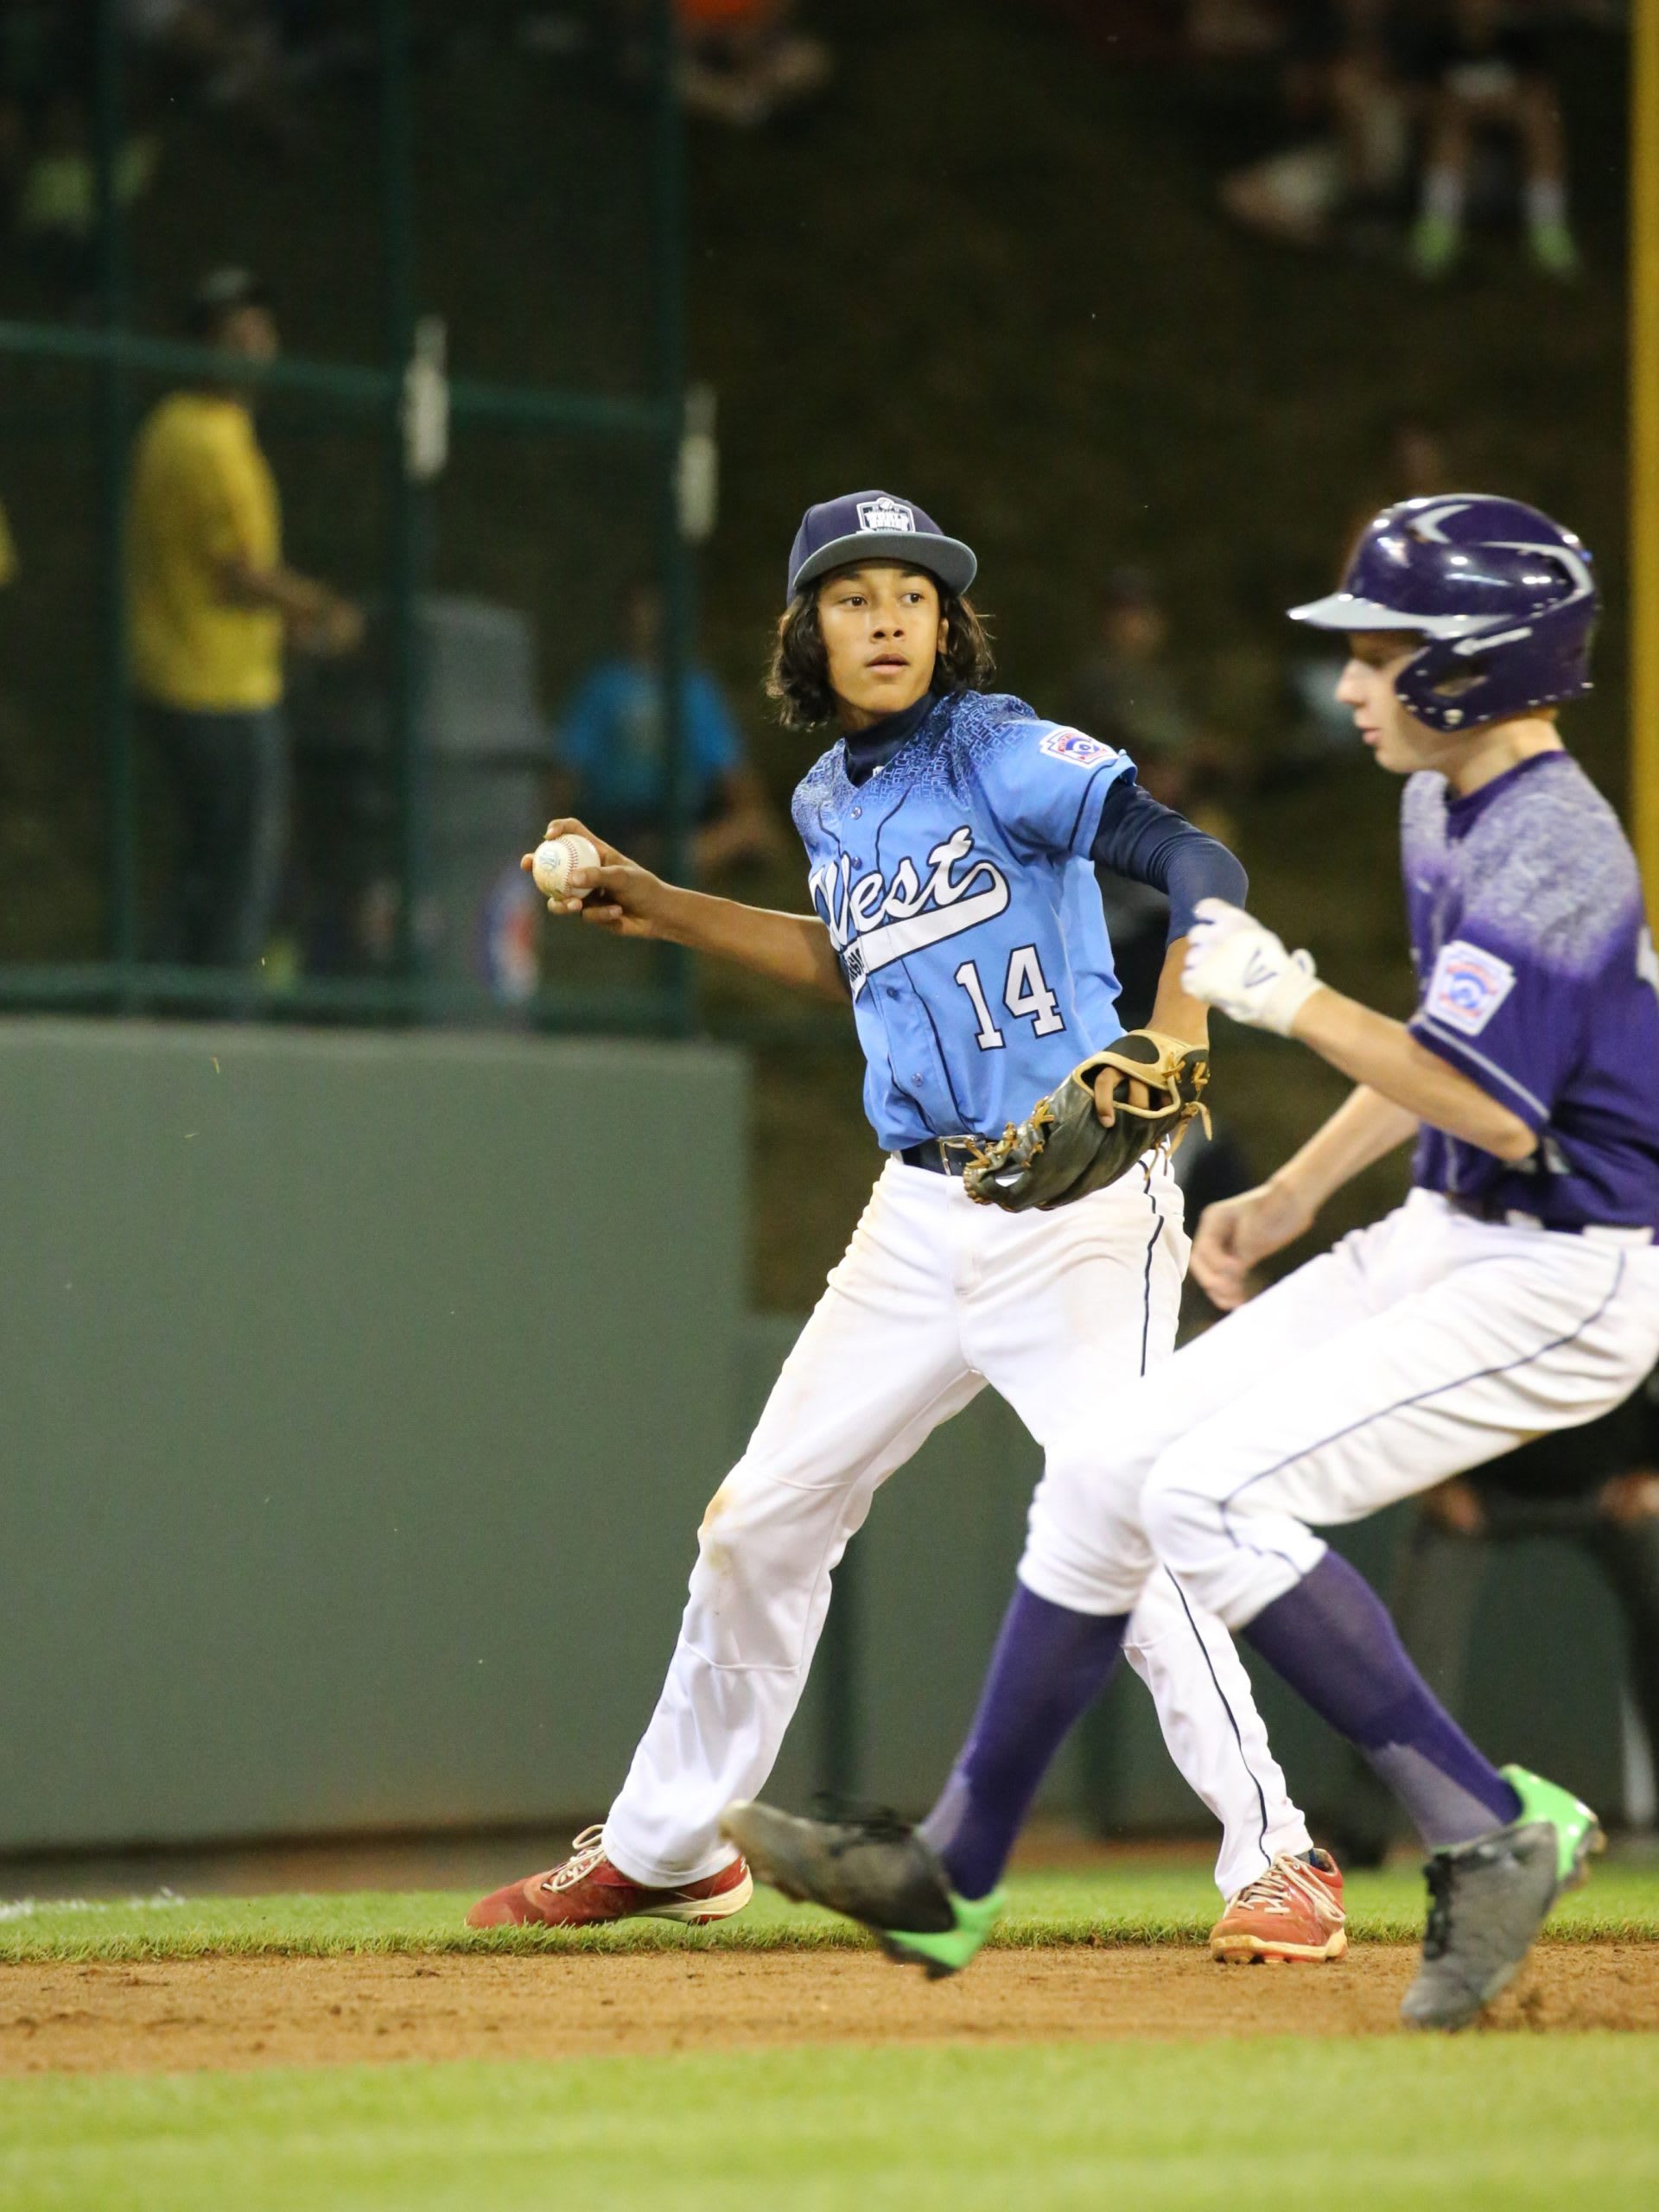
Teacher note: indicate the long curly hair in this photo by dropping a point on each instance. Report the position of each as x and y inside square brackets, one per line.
[798, 676]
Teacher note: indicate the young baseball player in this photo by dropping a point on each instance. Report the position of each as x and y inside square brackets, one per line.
[951, 838]
[1516, 1291]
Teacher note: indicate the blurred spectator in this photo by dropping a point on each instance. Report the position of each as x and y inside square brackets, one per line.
[210, 604]
[611, 747]
[1596, 1487]
[246, 55]
[56, 207]
[48, 163]
[1480, 73]
[235, 51]
[1414, 465]
[230, 48]
[1336, 81]
[8, 551]
[1126, 694]
[745, 61]
[1228, 30]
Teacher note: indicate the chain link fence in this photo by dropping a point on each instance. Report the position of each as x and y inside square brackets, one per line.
[468, 232]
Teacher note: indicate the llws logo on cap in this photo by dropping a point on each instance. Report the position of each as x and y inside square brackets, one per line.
[1071, 745]
[885, 514]
[1467, 988]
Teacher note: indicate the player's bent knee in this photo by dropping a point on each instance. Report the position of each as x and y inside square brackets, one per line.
[756, 1520]
[763, 1547]
[1079, 1570]
[748, 1600]
[1184, 1527]
[1085, 1546]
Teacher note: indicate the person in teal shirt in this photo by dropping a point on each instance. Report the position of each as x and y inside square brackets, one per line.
[612, 744]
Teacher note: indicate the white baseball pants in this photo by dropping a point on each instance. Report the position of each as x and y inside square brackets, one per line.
[1415, 1349]
[1060, 1312]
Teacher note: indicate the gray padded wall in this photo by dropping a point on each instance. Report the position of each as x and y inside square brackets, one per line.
[361, 1397]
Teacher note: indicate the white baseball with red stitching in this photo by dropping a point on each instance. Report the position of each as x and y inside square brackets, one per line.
[554, 860]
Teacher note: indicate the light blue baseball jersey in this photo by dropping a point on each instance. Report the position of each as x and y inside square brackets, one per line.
[957, 889]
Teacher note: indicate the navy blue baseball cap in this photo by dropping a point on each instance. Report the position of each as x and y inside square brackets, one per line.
[874, 526]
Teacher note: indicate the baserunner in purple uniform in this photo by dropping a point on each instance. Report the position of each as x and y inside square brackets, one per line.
[1515, 1291]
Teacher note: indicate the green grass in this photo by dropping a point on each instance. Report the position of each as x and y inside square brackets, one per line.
[1489, 2122]
[1511, 2121]
[1135, 1903]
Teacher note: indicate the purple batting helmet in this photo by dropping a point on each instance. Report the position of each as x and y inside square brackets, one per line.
[1503, 596]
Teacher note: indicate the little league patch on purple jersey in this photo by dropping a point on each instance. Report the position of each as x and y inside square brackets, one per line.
[1538, 982]
[1467, 988]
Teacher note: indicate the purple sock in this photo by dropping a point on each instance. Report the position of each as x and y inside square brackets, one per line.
[1332, 1639]
[1048, 1665]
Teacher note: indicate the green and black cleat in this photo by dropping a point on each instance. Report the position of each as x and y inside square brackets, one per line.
[876, 1871]
[1488, 1899]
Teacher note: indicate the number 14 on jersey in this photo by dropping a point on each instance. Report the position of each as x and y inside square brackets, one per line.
[1025, 992]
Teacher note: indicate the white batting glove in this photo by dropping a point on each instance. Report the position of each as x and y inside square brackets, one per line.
[1236, 963]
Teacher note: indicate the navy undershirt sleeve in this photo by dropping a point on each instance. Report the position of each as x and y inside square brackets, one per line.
[1150, 844]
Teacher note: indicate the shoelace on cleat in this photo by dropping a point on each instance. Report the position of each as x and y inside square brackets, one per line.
[1276, 1891]
[586, 1852]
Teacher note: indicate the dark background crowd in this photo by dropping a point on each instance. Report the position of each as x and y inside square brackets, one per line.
[1409, 126]
[1407, 123]
[1370, 200]
[1395, 255]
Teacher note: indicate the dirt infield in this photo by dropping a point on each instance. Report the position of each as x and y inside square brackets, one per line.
[276, 2012]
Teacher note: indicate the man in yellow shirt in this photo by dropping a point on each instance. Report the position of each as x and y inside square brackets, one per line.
[210, 605]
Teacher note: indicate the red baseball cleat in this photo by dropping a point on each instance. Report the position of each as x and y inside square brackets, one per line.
[1291, 1913]
[587, 1889]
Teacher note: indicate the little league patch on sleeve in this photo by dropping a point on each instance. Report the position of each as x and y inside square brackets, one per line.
[1467, 988]
[1071, 745]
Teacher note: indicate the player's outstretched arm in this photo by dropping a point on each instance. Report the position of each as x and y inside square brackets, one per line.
[1375, 1050]
[620, 897]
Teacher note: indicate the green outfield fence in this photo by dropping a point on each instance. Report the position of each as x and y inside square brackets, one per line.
[75, 380]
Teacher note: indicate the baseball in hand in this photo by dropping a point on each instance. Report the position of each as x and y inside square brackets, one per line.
[554, 858]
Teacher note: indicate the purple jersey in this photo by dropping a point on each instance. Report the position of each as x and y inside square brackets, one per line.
[1537, 980]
